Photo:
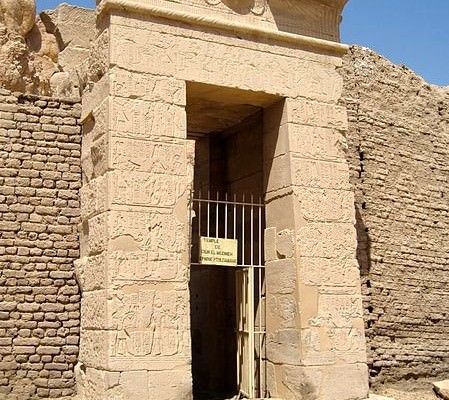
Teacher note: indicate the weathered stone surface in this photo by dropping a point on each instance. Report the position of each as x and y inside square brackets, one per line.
[301, 18]
[75, 26]
[226, 63]
[18, 16]
[320, 382]
[41, 55]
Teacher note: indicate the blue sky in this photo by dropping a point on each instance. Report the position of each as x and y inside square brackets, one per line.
[410, 32]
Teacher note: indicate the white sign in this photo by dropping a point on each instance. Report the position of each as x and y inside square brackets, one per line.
[217, 251]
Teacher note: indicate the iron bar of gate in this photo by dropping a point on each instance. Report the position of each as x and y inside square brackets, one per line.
[252, 263]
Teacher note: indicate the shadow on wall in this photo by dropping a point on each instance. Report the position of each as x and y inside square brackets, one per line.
[363, 242]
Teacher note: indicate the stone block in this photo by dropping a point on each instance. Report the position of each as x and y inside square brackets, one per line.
[340, 311]
[94, 197]
[322, 382]
[279, 209]
[282, 312]
[324, 205]
[150, 45]
[270, 244]
[283, 346]
[134, 385]
[322, 83]
[281, 276]
[319, 174]
[94, 96]
[147, 231]
[280, 174]
[330, 345]
[95, 347]
[98, 233]
[71, 57]
[276, 132]
[145, 266]
[150, 325]
[147, 156]
[97, 124]
[128, 84]
[329, 272]
[95, 310]
[142, 189]
[317, 143]
[168, 385]
[76, 25]
[92, 273]
[327, 240]
[291, 382]
[285, 244]
[137, 119]
[333, 387]
[312, 113]
[96, 384]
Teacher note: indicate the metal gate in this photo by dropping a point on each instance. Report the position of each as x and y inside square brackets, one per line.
[241, 220]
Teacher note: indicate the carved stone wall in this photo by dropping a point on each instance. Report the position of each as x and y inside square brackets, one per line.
[137, 174]
[40, 175]
[398, 141]
[314, 18]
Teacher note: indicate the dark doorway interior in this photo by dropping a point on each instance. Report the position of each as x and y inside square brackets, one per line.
[228, 161]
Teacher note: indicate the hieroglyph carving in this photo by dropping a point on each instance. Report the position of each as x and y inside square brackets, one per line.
[257, 7]
[146, 156]
[336, 339]
[150, 323]
[143, 189]
[146, 120]
[337, 311]
[127, 84]
[151, 231]
[144, 266]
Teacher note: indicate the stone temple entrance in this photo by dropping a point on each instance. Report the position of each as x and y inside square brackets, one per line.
[234, 97]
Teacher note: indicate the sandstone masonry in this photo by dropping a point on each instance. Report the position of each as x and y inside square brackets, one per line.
[40, 177]
[398, 141]
[142, 81]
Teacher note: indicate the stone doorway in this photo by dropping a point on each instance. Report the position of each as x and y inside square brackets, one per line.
[135, 207]
[227, 301]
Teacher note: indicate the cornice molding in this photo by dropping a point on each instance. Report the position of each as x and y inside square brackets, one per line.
[108, 6]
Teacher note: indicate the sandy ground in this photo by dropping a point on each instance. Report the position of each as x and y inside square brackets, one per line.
[421, 393]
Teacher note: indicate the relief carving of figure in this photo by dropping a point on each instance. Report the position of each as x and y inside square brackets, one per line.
[155, 328]
[149, 326]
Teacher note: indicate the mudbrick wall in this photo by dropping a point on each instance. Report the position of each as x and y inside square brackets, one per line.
[40, 140]
[399, 155]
